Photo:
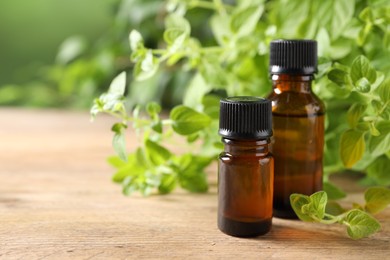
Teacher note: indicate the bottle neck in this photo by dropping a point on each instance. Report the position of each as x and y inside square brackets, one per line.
[246, 147]
[291, 83]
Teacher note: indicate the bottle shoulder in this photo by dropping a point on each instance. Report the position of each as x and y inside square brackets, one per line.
[296, 103]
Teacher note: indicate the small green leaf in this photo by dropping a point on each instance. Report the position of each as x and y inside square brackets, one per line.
[70, 49]
[363, 85]
[118, 85]
[334, 192]
[176, 21]
[377, 199]
[317, 204]
[341, 14]
[116, 161]
[219, 28]
[131, 168]
[354, 114]
[379, 170]
[384, 91]
[172, 34]
[146, 68]
[119, 144]
[366, 15]
[334, 208]
[352, 147]
[135, 40]
[191, 172]
[373, 130]
[380, 144]
[168, 183]
[157, 154]
[361, 68]
[187, 121]
[360, 224]
[118, 128]
[153, 109]
[297, 201]
[338, 76]
[157, 126]
[244, 22]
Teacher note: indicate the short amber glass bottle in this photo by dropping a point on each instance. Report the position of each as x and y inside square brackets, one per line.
[298, 122]
[245, 176]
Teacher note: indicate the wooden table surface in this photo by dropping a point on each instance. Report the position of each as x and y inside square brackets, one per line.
[57, 201]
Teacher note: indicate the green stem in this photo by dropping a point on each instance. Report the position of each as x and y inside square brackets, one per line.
[202, 4]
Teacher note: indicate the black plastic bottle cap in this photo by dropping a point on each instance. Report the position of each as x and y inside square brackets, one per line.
[245, 118]
[293, 57]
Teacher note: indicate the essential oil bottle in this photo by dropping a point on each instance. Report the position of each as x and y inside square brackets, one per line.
[298, 122]
[245, 176]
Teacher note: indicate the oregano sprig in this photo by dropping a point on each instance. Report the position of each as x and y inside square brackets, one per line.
[359, 220]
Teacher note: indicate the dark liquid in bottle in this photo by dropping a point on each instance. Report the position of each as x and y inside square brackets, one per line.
[244, 228]
[297, 147]
[245, 194]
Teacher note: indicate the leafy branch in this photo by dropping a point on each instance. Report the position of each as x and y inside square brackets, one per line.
[353, 80]
[358, 220]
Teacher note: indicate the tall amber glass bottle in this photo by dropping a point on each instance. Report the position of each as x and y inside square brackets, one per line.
[298, 122]
[245, 176]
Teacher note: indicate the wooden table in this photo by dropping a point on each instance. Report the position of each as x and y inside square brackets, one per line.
[57, 201]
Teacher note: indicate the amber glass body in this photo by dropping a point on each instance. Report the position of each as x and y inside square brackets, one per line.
[245, 188]
[298, 140]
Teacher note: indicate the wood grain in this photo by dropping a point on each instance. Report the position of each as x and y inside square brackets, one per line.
[57, 202]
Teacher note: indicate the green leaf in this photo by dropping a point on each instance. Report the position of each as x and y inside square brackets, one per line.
[360, 224]
[352, 147]
[132, 167]
[119, 144]
[324, 39]
[172, 35]
[70, 49]
[366, 15]
[116, 162]
[361, 68]
[334, 192]
[298, 201]
[379, 170]
[354, 114]
[377, 199]
[334, 208]
[317, 204]
[157, 126]
[153, 109]
[373, 130]
[146, 68]
[118, 85]
[384, 91]
[341, 15]
[191, 172]
[175, 21]
[220, 30]
[135, 40]
[187, 121]
[168, 183]
[157, 154]
[380, 144]
[363, 85]
[338, 76]
[244, 22]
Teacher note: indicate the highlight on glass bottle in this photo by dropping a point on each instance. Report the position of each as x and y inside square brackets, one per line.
[245, 174]
[298, 122]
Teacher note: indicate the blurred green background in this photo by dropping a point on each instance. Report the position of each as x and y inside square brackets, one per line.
[65, 53]
[31, 32]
